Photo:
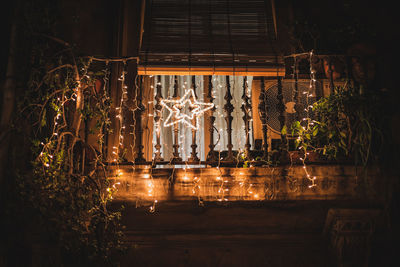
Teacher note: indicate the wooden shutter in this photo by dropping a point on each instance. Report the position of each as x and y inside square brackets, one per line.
[210, 36]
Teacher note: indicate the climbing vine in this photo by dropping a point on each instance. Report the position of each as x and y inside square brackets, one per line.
[66, 184]
[62, 197]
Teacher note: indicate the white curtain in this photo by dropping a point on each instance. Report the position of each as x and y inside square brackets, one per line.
[185, 133]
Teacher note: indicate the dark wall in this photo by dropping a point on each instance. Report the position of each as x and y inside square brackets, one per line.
[6, 14]
[90, 25]
[103, 28]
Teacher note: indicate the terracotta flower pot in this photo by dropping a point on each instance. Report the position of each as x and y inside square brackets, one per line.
[98, 86]
[334, 66]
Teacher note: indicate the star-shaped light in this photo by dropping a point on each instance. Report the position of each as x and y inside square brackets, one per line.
[175, 107]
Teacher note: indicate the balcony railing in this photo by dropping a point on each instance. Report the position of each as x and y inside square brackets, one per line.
[254, 112]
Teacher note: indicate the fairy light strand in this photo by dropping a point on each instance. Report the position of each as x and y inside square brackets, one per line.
[308, 93]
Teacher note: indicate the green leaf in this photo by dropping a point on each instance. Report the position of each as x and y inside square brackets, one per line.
[43, 120]
[246, 164]
[296, 143]
[305, 146]
[315, 132]
[284, 130]
[342, 143]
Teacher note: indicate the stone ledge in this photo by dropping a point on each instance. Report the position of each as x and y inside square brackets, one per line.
[145, 186]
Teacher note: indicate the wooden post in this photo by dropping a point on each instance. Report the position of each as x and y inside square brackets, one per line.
[211, 156]
[262, 108]
[139, 128]
[255, 115]
[246, 108]
[176, 157]
[148, 119]
[228, 107]
[157, 120]
[193, 154]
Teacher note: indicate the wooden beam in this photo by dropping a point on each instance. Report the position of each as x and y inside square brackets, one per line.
[142, 16]
[274, 17]
[237, 71]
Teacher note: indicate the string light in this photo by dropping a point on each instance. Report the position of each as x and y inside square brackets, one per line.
[119, 116]
[307, 120]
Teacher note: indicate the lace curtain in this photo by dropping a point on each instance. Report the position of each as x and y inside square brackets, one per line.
[185, 134]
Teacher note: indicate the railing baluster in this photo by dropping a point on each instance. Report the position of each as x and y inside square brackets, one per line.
[228, 107]
[211, 156]
[138, 117]
[281, 117]
[246, 108]
[193, 155]
[157, 119]
[297, 105]
[176, 156]
[262, 109]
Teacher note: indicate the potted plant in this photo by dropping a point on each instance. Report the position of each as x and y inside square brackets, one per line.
[344, 125]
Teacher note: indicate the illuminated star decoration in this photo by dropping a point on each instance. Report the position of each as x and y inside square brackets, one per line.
[176, 107]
